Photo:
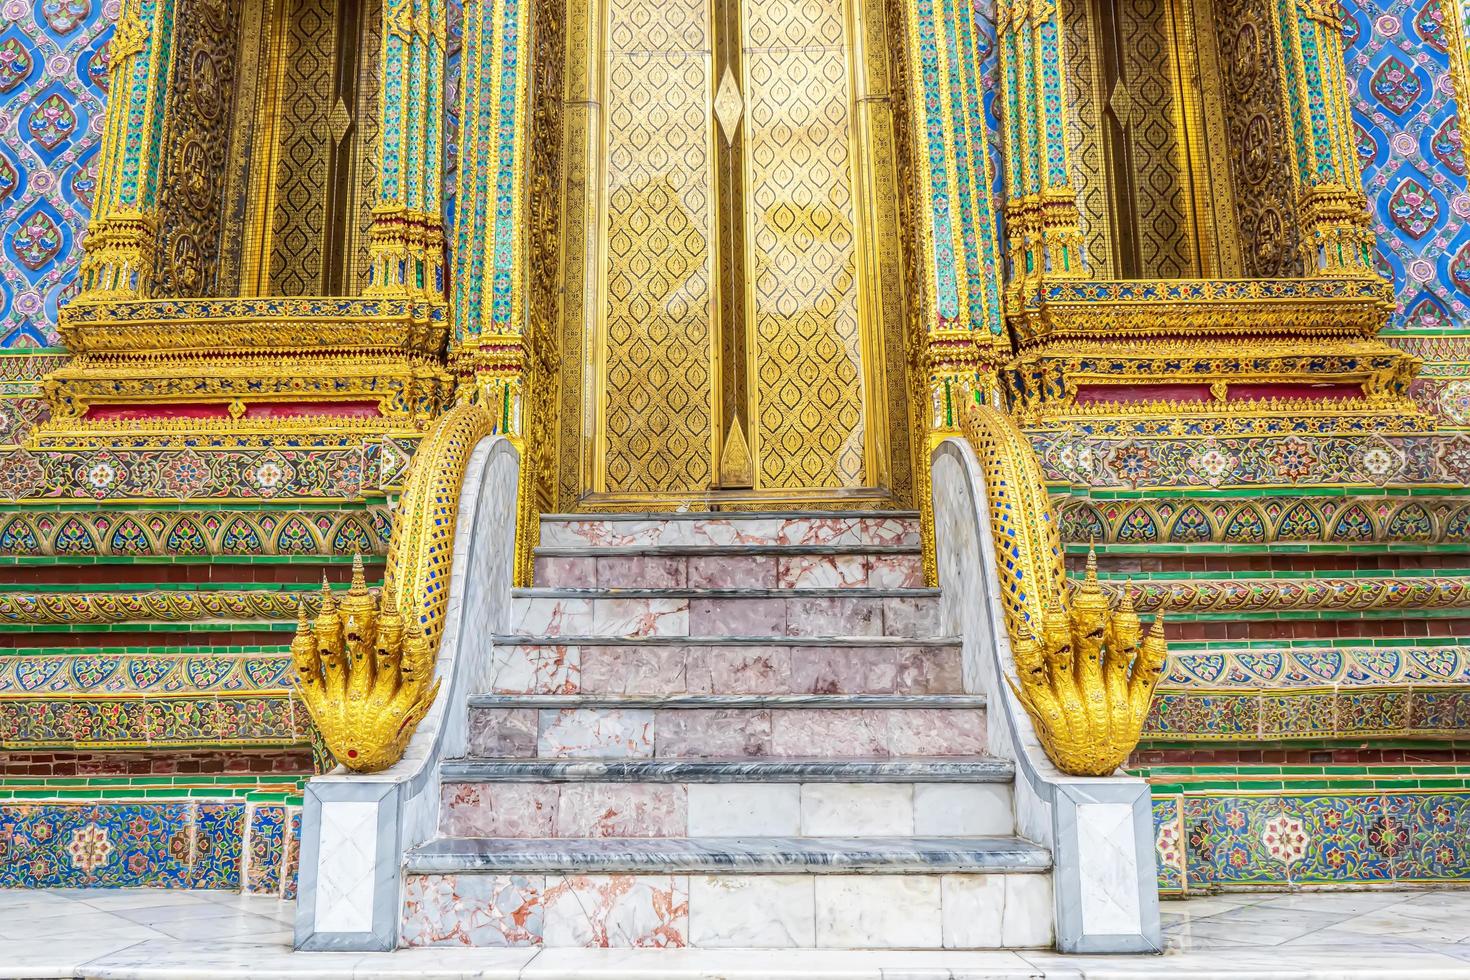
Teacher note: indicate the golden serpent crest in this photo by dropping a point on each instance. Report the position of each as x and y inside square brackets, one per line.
[365, 668]
[1087, 669]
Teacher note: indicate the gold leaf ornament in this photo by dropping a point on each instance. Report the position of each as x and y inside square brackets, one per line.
[364, 674]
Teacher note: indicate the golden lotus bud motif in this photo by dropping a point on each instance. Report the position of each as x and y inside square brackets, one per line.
[1088, 680]
[363, 674]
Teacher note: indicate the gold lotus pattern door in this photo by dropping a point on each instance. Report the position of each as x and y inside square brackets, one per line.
[732, 353]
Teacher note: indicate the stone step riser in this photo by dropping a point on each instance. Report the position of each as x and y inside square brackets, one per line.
[617, 616]
[825, 911]
[733, 669]
[726, 809]
[825, 529]
[856, 571]
[753, 732]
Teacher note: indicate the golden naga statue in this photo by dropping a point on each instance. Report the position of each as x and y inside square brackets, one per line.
[1088, 680]
[1088, 677]
[364, 675]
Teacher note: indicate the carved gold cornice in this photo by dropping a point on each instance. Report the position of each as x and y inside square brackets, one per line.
[301, 325]
[1346, 306]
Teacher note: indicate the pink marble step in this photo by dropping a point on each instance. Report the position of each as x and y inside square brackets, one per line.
[643, 530]
[724, 809]
[898, 613]
[731, 668]
[653, 570]
[729, 727]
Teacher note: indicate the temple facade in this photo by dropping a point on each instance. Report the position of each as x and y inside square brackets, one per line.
[1004, 455]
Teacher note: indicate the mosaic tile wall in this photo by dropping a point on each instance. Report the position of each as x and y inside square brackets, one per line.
[1407, 59]
[53, 81]
[179, 843]
[1406, 833]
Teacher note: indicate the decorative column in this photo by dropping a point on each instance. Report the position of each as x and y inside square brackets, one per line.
[956, 227]
[1043, 233]
[118, 260]
[1332, 209]
[490, 219]
[406, 239]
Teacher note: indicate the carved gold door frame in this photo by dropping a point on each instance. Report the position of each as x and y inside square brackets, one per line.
[732, 319]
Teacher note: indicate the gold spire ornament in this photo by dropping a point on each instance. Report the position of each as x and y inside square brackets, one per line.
[1088, 680]
[363, 675]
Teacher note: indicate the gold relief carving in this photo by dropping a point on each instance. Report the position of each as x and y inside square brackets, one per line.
[1255, 123]
[1044, 381]
[202, 88]
[1079, 45]
[152, 605]
[656, 400]
[1087, 672]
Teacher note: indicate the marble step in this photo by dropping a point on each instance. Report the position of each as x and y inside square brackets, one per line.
[762, 893]
[771, 528]
[718, 612]
[915, 769]
[744, 808]
[750, 855]
[732, 665]
[732, 566]
[731, 726]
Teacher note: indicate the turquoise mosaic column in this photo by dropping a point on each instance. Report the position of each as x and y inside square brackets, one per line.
[490, 208]
[118, 261]
[1042, 221]
[406, 240]
[1332, 208]
[958, 229]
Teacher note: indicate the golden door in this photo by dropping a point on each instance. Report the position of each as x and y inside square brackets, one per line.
[733, 343]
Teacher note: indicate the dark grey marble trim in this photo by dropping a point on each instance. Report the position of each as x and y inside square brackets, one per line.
[724, 550]
[727, 701]
[730, 515]
[852, 593]
[856, 642]
[774, 855]
[938, 769]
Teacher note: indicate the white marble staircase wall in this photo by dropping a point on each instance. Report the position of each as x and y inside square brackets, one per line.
[1100, 830]
[356, 828]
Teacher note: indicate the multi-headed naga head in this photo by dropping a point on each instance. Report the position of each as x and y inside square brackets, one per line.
[363, 676]
[1088, 680]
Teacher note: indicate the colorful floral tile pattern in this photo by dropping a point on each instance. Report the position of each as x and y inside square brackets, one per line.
[52, 90]
[1255, 520]
[1206, 842]
[145, 532]
[132, 722]
[133, 672]
[1368, 459]
[192, 844]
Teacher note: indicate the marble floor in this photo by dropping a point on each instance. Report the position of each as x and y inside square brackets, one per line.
[196, 935]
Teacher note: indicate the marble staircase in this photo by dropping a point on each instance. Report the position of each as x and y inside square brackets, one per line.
[728, 731]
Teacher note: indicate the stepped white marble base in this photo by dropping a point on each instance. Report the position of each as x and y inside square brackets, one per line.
[140, 934]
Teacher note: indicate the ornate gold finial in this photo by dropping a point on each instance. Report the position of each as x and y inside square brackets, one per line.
[363, 679]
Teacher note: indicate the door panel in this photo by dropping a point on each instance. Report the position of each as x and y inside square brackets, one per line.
[732, 352]
[802, 230]
[658, 327]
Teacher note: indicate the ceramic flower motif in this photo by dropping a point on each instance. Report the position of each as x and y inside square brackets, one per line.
[89, 848]
[1285, 839]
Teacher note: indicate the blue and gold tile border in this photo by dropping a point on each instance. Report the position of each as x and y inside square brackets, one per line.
[1301, 826]
[150, 833]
